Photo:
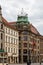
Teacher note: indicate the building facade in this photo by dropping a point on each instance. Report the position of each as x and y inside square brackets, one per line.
[17, 38]
[9, 40]
[29, 39]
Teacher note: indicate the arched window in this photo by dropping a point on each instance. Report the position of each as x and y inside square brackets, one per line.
[1, 26]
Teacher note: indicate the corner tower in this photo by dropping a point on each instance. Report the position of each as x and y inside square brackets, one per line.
[22, 26]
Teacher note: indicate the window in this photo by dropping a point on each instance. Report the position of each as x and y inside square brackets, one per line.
[14, 33]
[19, 38]
[30, 45]
[8, 49]
[9, 39]
[1, 36]
[19, 51]
[25, 51]
[14, 50]
[11, 49]
[6, 30]
[25, 44]
[38, 47]
[1, 26]
[6, 38]
[25, 38]
[14, 40]
[1, 46]
[18, 26]
[25, 32]
[11, 32]
[20, 45]
[38, 41]
[25, 58]
[38, 52]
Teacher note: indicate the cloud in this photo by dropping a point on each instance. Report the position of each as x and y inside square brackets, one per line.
[34, 8]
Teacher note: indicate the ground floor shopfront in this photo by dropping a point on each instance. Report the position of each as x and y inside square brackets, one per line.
[13, 59]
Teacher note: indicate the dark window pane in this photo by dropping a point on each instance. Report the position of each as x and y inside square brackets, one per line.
[1, 35]
[1, 26]
[25, 51]
[25, 38]
[25, 58]
[25, 44]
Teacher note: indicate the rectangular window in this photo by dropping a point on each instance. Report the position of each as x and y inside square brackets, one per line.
[6, 38]
[11, 49]
[19, 38]
[25, 44]
[15, 51]
[20, 45]
[9, 39]
[14, 40]
[9, 31]
[8, 49]
[14, 33]
[1, 36]
[1, 46]
[25, 38]
[25, 58]
[6, 29]
[25, 51]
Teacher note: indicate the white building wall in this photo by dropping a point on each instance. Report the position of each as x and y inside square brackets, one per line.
[12, 44]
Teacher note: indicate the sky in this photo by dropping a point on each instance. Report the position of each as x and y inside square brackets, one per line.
[34, 9]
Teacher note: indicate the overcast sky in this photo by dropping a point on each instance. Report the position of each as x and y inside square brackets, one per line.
[34, 9]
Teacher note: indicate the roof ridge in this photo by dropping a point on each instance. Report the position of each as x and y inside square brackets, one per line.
[6, 23]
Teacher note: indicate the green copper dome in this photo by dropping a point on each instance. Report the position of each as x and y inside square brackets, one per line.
[22, 18]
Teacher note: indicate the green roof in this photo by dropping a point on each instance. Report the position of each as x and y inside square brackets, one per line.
[1, 50]
[22, 17]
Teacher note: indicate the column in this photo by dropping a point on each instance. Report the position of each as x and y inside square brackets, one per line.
[10, 59]
[17, 60]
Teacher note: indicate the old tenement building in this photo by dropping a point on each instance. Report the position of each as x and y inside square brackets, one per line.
[18, 38]
[9, 41]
